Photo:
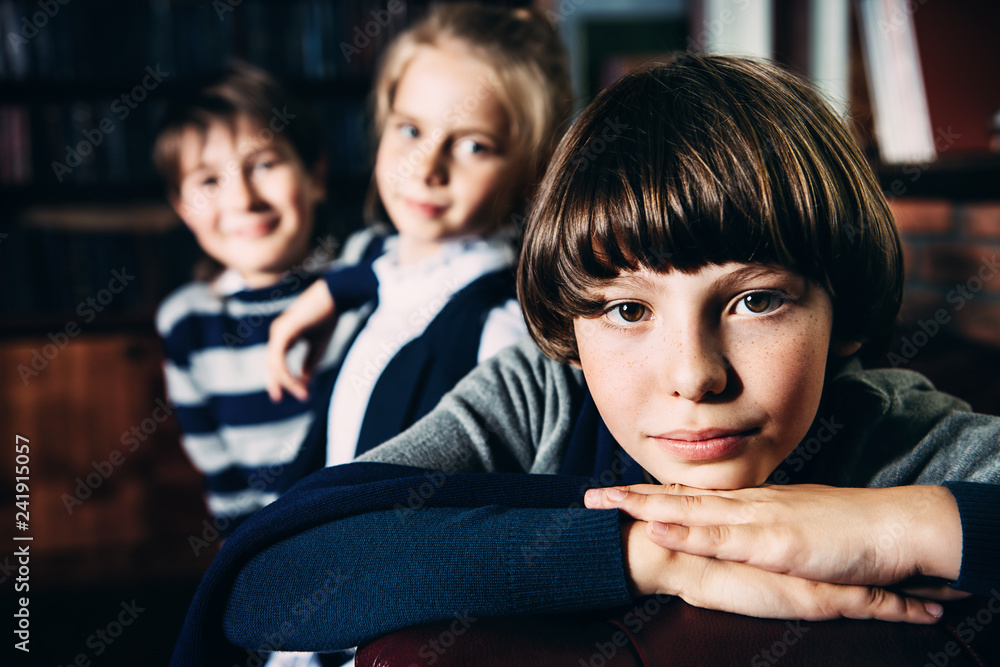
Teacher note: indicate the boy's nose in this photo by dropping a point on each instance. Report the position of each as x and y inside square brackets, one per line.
[695, 366]
[239, 193]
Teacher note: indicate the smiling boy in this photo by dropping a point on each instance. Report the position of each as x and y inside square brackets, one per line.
[698, 375]
[245, 172]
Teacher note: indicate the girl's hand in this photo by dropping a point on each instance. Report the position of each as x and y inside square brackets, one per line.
[743, 589]
[868, 537]
[311, 317]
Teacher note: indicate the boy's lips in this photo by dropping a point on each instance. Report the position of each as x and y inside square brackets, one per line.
[703, 445]
[255, 229]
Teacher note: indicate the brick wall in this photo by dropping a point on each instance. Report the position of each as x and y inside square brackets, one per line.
[952, 259]
[951, 301]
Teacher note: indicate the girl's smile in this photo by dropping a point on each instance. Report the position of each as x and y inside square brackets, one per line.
[443, 169]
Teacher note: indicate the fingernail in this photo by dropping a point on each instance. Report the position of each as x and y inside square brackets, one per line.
[592, 497]
[615, 494]
[658, 527]
[934, 609]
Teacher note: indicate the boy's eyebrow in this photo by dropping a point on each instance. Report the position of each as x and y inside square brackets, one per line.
[208, 165]
[197, 170]
[631, 280]
[732, 280]
[739, 277]
[270, 148]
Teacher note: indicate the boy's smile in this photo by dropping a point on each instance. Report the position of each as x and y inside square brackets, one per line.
[709, 378]
[247, 198]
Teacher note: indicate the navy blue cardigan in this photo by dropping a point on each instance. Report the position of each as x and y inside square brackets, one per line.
[430, 365]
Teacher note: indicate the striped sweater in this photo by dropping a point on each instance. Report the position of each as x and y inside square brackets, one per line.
[249, 449]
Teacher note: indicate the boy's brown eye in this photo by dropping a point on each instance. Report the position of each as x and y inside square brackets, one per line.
[631, 312]
[757, 303]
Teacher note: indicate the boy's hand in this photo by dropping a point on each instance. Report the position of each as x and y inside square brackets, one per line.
[311, 318]
[869, 537]
[743, 589]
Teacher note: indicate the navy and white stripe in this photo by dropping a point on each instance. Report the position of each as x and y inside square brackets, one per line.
[249, 449]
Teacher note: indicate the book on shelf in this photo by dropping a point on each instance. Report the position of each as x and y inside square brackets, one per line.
[899, 99]
[63, 271]
[15, 145]
[100, 135]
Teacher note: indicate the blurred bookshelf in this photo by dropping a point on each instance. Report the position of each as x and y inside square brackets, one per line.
[82, 87]
[89, 246]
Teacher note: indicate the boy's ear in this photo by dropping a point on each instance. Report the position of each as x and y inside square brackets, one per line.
[318, 176]
[177, 204]
[842, 349]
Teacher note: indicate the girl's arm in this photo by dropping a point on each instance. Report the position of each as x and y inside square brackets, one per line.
[310, 317]
[504, 327]
[313, 315]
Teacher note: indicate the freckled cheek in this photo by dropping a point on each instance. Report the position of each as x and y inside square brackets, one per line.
[618, 378]
[481, 190]
[206, 227]
[200, 223]
[803, 365]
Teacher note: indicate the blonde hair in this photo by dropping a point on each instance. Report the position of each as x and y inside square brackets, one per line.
[528, 60]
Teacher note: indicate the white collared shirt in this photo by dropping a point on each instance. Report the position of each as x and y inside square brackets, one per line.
[409, 298]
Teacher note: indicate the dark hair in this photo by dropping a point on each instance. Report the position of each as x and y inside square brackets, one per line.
[239, 90]
[706, 160]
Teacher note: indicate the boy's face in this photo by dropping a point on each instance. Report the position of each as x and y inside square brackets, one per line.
[444, 168]
[708, 379]
[248, 199]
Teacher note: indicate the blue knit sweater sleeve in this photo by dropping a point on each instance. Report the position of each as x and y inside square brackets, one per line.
[352, 286]
[977, 506]
[348, 582]
[359, 550]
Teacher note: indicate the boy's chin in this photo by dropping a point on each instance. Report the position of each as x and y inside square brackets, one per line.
[712, 480]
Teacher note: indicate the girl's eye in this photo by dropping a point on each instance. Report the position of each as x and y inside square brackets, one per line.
[627, 313]
[264, 165]
[209, 181]
[408, 131]
[470, 147]
[758, 303]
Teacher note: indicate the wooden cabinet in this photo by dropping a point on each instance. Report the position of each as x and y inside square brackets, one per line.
[111, 493]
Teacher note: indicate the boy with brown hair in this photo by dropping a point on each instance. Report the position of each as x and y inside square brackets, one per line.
[698, 303]
[243, 166]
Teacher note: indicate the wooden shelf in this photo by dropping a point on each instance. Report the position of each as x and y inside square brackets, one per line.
[965, 176]
[41, 91]
[140, 217]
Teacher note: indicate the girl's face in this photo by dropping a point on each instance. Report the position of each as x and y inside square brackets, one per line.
[708, 379]
[444, 168]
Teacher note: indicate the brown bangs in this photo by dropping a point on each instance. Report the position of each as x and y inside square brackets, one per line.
[707, 160]
[240, 89]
